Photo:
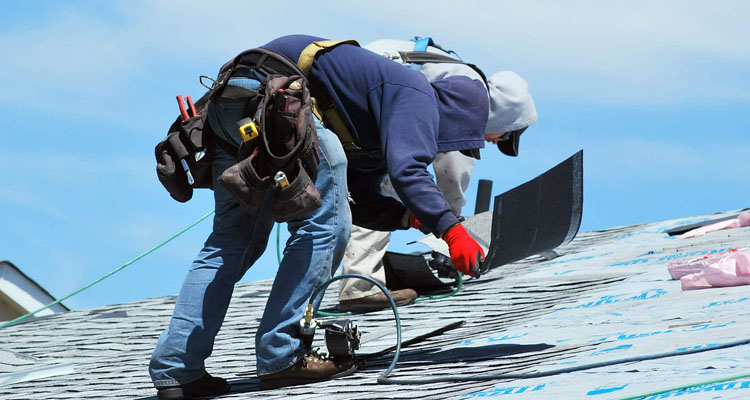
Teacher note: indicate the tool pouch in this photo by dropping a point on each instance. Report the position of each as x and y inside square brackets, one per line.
[296, 200]
[183, 159]
[247, 181]
[287, 143]
[292, 147]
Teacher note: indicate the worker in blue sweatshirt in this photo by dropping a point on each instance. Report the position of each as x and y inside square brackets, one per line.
[399, 122]
[511, 111]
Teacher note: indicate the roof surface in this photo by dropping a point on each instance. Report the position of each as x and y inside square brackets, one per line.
[25, 292]
[607, 296]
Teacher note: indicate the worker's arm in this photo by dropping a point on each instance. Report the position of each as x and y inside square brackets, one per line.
[408, 133]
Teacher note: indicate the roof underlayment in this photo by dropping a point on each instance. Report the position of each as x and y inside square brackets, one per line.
[607, 296]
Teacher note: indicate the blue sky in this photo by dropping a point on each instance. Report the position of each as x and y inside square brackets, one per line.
[656, 93]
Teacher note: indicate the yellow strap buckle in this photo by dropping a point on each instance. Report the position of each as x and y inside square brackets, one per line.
[248, 129]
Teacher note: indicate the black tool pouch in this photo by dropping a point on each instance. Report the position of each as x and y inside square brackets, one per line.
[291, 144]
[183, 159]
[247, 181]
[284, 153]
[297, 199]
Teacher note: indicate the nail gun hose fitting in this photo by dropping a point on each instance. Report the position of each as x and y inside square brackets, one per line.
[382, 288]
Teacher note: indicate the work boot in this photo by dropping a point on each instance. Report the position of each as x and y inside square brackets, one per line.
[311, 368]
[378, 301]
[206, 386]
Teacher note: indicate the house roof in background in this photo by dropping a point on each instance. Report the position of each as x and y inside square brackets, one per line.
[607, 296]
[25, 292]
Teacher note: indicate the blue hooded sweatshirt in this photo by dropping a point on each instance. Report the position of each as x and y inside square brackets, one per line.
[404, 119]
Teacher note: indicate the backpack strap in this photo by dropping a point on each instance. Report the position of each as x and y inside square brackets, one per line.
[329, 114]
[419, 58]
[420, 45]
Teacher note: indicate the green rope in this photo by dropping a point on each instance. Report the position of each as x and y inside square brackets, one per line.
[459, 286]
[21, 318]
[674, 389]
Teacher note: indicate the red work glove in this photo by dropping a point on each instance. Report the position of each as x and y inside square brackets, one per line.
[414, 222]
[463, 248]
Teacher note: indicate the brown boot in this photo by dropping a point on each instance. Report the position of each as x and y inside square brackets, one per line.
[377, 301]
[311, 368]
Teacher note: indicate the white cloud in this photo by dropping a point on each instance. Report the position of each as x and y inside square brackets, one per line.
[70, 53]
[616, 52]
[648, 52]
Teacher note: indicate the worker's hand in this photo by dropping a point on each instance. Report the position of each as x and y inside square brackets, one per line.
[465, 251]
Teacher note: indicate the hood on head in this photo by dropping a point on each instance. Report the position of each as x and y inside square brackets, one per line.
[511, 105]
[463, 108]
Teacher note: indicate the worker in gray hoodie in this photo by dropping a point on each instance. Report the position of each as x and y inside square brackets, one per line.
[511, 112]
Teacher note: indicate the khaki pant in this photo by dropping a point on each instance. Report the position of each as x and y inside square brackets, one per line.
[366, 248]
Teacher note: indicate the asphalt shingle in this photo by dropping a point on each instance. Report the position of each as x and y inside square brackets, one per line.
[607, 296]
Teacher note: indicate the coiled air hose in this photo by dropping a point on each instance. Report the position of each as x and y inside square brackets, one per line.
[384, 379]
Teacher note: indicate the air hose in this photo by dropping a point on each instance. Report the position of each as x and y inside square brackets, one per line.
[384, 379]
[309, 314]
[459, 286]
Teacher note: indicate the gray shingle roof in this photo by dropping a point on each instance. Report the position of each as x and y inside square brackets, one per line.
[608, 296]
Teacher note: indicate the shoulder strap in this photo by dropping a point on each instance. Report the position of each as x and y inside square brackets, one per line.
[307, 56]
[427, 57]
[264, 61]
[421, 56]
[420, 45]
[326, 111]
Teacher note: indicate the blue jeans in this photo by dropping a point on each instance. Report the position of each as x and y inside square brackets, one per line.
[312, 253]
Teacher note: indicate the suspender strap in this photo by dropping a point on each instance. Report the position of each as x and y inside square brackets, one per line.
[327, 111]
[336, 124]
[307, 56]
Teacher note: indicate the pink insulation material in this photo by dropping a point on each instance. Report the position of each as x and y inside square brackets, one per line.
[741, 221]
[731, 268]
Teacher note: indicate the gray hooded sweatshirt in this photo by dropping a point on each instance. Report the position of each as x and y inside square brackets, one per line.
[511, 105]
